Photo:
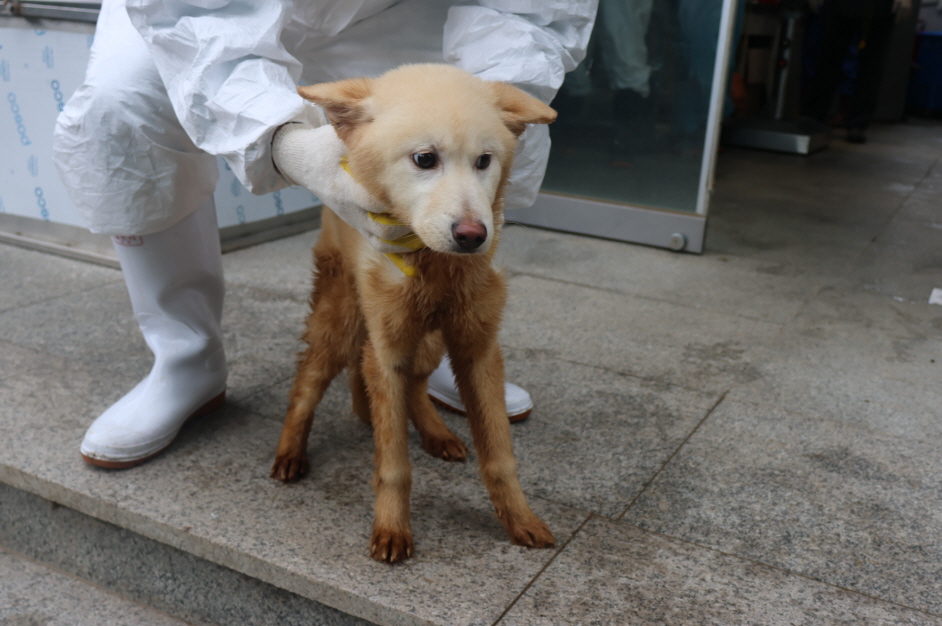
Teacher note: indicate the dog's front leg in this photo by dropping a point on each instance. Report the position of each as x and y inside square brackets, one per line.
[387, 377]
[479, 371]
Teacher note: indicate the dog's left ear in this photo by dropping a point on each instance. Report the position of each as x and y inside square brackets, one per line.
[344, 101]
[519, 108]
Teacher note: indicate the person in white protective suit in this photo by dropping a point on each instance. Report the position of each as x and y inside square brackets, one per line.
[172, 83]
[619, 45]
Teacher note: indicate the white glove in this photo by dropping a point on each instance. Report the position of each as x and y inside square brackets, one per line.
[311, 157]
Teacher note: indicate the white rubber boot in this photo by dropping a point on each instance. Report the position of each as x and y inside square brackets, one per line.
[443, 390]
[175, 282]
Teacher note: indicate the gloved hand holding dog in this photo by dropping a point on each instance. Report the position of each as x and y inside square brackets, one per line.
[311, 157]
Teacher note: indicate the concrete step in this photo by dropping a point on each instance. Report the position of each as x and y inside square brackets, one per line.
[159, 578]
[32, 593]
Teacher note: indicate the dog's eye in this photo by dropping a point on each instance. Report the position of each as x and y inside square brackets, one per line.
[425, 160]
[483, 162]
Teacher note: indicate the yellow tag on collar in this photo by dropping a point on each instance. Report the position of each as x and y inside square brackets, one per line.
[385, 219]
[346, 165]
[408, 270]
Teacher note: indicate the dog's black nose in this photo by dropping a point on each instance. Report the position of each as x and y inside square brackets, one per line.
[469, 235]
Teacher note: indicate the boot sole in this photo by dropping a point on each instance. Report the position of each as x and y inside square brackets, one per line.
[209, 407]
[514, 419]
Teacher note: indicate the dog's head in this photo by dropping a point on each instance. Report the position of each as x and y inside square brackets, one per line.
[435, 145]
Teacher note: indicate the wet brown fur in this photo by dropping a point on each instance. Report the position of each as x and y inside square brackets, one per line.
[390, 332]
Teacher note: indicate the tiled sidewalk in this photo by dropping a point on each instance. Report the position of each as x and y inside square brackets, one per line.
[750, 436]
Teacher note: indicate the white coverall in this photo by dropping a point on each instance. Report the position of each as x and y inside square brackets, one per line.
[171, 83]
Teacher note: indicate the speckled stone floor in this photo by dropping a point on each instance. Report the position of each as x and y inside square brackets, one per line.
[32, 594]
[750, 436]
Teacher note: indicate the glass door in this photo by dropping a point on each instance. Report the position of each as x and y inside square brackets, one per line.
[635, 142]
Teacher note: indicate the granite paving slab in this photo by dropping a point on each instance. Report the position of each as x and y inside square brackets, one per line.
[873, 176]
[260, 333]
[32, 594]
[59, 395]
[95, 326]
[615, 573]
[894, 155]
[838, 503]
[780, 238]
[13, 358]
[923, 202]
[30, 277]
[818, 213]
[858, 357]
[905, 261]
[210, 495]
[642, 337]
[282, 268]
[753, 289]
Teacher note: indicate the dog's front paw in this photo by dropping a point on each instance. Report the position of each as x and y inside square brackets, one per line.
[448, 448]
[289, 468]
[530, 532]
[391, 546]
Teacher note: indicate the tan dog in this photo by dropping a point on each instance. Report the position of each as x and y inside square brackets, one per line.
[435, 145]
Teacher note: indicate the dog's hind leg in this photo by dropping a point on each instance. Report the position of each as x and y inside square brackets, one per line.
[437, 439]
[334, 333]
[479, 371]
[361, 401]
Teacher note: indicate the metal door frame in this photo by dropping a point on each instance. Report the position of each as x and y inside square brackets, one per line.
[677, 230]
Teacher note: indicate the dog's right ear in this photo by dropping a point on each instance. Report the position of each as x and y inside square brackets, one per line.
[344, 101]
[518, 108]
